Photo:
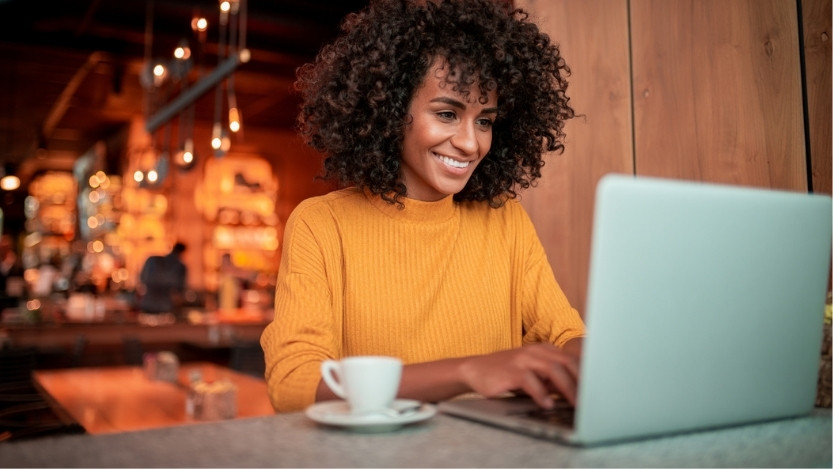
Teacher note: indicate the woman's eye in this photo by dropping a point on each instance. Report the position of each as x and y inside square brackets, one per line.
[446, 115]
[485, 122]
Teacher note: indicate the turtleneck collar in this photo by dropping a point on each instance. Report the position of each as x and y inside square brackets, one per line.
[416, 211]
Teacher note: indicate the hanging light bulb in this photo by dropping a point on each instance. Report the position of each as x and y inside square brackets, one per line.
[216, 136]
[225, 7]
[188, 152]
[234, 123]
[182, 51]
[185, 159]
[199, 23]
[160, 72]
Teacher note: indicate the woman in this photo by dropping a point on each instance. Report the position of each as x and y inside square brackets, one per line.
[431, 114]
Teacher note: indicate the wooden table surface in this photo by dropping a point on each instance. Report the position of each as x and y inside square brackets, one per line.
[122, 398]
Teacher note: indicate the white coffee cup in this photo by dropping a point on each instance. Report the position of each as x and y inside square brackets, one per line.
[368, 383]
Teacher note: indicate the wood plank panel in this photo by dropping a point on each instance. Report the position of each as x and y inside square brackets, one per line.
[593, 38]
[717, 91]
[816, 15]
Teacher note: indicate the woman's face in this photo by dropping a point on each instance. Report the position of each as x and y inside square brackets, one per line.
[446, 139]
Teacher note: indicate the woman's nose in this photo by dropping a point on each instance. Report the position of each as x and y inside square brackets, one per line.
[465, 138]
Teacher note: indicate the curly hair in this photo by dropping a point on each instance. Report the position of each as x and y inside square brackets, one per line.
[357, 93]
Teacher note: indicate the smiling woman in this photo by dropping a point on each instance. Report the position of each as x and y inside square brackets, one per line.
[431, 114]
[446, 138]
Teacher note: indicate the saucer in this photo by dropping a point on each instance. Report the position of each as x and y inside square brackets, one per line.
[338, 413]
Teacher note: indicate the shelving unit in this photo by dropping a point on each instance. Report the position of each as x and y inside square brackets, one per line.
[237, 197]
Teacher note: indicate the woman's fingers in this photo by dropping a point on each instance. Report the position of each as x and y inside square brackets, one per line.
[535, 389]
[563, 381]
[537, 370]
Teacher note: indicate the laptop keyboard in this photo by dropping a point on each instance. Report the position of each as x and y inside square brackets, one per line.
[561, 414]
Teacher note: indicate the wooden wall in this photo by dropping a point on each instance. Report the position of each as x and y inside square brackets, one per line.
[816, 19]
[707, 90]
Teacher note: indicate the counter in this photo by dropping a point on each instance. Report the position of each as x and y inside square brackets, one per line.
[207, 329]
[292, 440]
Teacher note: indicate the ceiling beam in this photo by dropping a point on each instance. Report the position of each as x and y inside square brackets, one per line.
[62, 104]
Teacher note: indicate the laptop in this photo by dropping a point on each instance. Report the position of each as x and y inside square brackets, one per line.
[705, 309]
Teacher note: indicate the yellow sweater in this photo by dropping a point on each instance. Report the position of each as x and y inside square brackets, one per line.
[434, 280]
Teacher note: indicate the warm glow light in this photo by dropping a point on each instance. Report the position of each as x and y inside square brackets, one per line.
[216, 141]
[185, 157]
[138, 176]
[182, 52]
[92, 222]
[199, 24]
[31, 275]
[94, 182]
[225, 6]
[159, 74]
[98, 246]
[9, 182]
[152, 175]
[94, 196]
[121, 274]
[234, 119]
[270, 244]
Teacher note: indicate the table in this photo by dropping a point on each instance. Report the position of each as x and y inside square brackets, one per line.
[122, 398]
[292, 440]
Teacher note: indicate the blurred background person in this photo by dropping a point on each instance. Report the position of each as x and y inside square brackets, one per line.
[12, 285]
[162, 288]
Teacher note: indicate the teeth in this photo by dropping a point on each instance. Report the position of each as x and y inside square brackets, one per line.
[453, 163]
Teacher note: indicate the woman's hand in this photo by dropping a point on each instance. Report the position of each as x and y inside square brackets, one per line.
[537, 370]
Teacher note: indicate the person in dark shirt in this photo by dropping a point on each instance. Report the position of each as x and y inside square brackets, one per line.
[163, 279]
[12, 287]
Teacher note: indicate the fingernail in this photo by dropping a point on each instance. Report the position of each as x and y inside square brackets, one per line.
[548, 403]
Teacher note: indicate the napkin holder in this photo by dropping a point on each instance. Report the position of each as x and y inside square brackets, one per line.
[215, 400]
[162, 366]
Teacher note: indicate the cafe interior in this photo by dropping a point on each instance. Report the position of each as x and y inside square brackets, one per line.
[128, 127]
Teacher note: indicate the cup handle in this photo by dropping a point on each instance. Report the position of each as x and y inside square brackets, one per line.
[331, 373]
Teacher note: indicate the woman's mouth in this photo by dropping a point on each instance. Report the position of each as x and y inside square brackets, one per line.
[452, 162]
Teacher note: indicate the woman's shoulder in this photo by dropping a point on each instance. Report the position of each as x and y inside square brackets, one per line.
[510, 221]
[326, 203]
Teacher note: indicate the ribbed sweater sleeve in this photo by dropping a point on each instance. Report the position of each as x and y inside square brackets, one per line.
[428, 281]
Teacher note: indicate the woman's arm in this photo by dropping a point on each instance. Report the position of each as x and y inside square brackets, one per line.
[537, 370]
